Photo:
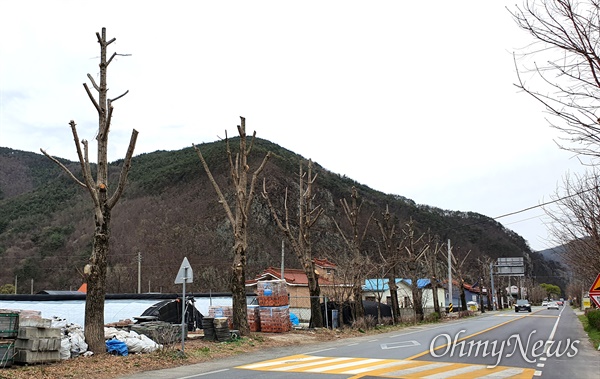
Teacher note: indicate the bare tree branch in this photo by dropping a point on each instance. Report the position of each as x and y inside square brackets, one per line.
[64, 168]
[220, 196]
[92, 97]
[124, 171]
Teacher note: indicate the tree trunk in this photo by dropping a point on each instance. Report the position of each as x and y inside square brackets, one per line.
[238, 291]
[359, 309]
[463, 298]
[436, 303]
[316, 316]
[394, 297]
[417, 300]
[96, 284]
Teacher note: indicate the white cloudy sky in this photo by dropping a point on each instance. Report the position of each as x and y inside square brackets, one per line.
[411, 98]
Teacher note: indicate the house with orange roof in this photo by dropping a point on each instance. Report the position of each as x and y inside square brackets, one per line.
[297, 282]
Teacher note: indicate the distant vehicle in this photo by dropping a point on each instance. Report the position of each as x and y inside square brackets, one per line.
[522, 305]
[560, 302]
[553, 305]
[544, 303]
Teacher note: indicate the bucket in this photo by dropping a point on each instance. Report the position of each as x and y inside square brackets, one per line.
[7, 353]
[9, 325]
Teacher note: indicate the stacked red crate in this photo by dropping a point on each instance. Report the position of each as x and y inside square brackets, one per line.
[275, 319]
[254, 318]
[272, 293]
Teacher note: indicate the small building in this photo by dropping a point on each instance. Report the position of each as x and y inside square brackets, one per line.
[296, 282]
[375, 289]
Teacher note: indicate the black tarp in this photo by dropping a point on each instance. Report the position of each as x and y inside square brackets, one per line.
[170, 311]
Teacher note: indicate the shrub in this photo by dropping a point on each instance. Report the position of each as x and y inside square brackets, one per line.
[594, 318]
[432, 317]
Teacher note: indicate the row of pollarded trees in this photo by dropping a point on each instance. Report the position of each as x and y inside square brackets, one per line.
[564, 76]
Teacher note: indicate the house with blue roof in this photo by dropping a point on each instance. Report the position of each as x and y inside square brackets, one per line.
[378, 290]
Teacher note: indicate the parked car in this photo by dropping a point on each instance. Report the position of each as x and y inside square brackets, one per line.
[553, 305]
[560, 302]
[522, 305]
[544, 303]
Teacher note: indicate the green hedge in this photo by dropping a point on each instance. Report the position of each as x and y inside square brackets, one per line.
[594, 318]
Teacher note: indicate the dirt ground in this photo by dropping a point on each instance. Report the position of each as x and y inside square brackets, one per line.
[197, 350]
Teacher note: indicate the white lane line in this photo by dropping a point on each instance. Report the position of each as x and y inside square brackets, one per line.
[319, 351]
[537, 373]
[551, 337]
[206, 373]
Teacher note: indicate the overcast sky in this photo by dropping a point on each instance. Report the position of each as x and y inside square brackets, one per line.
[410, 98]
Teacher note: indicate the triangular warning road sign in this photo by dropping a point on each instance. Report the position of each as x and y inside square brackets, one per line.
[185, 273]
[596, 286]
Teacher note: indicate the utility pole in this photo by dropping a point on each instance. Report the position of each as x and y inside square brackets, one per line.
[493, 291]
[449, 277]
[282, 254]
[139, 272]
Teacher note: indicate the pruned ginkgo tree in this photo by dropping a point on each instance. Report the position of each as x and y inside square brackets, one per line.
[354, 242]
[390, 257]
[103, 197]
[300, 239]
[238, 217]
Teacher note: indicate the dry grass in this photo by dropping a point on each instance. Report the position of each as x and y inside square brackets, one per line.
[197, 350]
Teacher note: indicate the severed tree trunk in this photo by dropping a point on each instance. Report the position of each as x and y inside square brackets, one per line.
[432, 266]
[244, 195]
[103, 201]
[459, 271]
[301, 244]
[388, 233]
[415, 249]
[358, 262]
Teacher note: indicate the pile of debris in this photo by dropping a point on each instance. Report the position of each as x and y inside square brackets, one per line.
[27, 338]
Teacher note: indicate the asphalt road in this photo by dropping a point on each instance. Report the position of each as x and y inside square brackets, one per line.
[543, 343]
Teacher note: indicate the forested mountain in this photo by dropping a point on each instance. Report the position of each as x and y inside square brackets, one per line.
[169, 210]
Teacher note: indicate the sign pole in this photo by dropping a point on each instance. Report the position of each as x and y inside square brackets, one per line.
[184, 275]
[183, 311]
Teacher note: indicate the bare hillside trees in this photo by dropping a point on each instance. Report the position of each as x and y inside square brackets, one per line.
[359, 261]
[300, 239]
[565, 51]
[413, 247]
[238, 218]
[390, 257]
[103, 197]
[576, 223]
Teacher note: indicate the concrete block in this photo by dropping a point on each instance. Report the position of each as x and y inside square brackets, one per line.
[33, 357]
[35, 321]
[28, 332]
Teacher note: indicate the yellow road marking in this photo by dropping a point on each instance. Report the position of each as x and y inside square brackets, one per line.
[387, 368]
[464, 338]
